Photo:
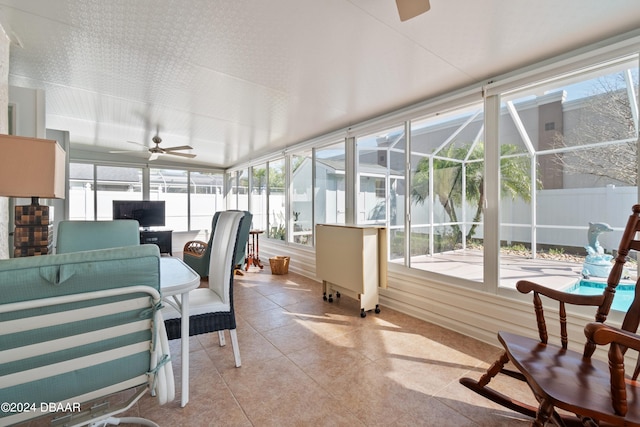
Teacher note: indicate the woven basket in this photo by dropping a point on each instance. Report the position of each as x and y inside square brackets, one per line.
[279, 264]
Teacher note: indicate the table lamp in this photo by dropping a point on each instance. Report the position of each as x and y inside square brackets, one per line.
[32, 167]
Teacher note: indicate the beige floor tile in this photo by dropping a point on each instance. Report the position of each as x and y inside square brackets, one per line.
[266, 320]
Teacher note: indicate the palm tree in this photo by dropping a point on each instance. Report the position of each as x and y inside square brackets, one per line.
[259, 178]
[449, 167]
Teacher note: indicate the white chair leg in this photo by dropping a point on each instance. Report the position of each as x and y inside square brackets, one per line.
[221, 338]
[236, 349]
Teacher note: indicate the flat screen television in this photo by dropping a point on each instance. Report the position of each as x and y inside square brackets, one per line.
[149, 213]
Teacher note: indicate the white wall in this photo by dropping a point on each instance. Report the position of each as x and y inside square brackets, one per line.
[29, 109]
[4, 128]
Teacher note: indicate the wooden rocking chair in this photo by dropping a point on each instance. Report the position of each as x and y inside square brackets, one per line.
[596, 392]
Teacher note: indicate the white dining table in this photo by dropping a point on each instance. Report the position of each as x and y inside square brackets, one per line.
[177, 279]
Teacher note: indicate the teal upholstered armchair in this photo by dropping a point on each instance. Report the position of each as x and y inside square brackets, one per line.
[78, 236]
[196, 253]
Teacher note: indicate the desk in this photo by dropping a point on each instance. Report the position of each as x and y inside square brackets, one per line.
[178, 279]
[161, 238]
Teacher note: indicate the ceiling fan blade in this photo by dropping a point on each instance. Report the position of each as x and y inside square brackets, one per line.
[153, 156]
[187, 155]
[182, 147]
[408, 9]
[134, 152]
[138, 143]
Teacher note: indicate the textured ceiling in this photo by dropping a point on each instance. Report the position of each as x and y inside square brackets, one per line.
[238, 79]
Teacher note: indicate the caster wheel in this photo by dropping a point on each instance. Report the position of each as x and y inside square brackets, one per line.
[377, 310]
[330, 298]
[363, 313]
[324, 297]
[337, 294]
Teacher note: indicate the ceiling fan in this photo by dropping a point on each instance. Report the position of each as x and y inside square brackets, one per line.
[408, 9]
[157, 151]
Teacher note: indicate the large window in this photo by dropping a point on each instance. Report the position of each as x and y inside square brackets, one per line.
[277, 210]
[81, 192]
[231, 179]
[381, 185]
[116, 183]
[329, 198]
[238, 190]
[172, 187]
[376, 173]
[447, 192]
[242, 190]
[191, 197]
[259, 196]
[568, 163]
[301, 230]
[205, 198]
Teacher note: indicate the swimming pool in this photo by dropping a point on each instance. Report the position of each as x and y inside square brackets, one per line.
[621, 300]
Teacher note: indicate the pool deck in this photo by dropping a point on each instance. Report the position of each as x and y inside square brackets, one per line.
[469, 265]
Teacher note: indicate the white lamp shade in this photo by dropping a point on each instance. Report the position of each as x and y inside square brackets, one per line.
[31, 167]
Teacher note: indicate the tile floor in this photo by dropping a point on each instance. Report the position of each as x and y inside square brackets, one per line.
[307, 362]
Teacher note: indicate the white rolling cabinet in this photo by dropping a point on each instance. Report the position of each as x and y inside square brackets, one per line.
[352, 260]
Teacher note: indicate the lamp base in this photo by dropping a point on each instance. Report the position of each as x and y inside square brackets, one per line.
[34, 230]
[32, 251]
[34, 215]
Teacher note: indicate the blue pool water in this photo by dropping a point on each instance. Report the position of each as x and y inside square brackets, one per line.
[621, 300]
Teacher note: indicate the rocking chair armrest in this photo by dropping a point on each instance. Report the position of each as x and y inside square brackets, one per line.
[525, 287]
[603, 334]
[195, 248]
[562, 298]
[619, 340]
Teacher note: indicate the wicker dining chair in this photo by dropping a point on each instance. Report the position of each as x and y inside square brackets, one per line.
[211, 309]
